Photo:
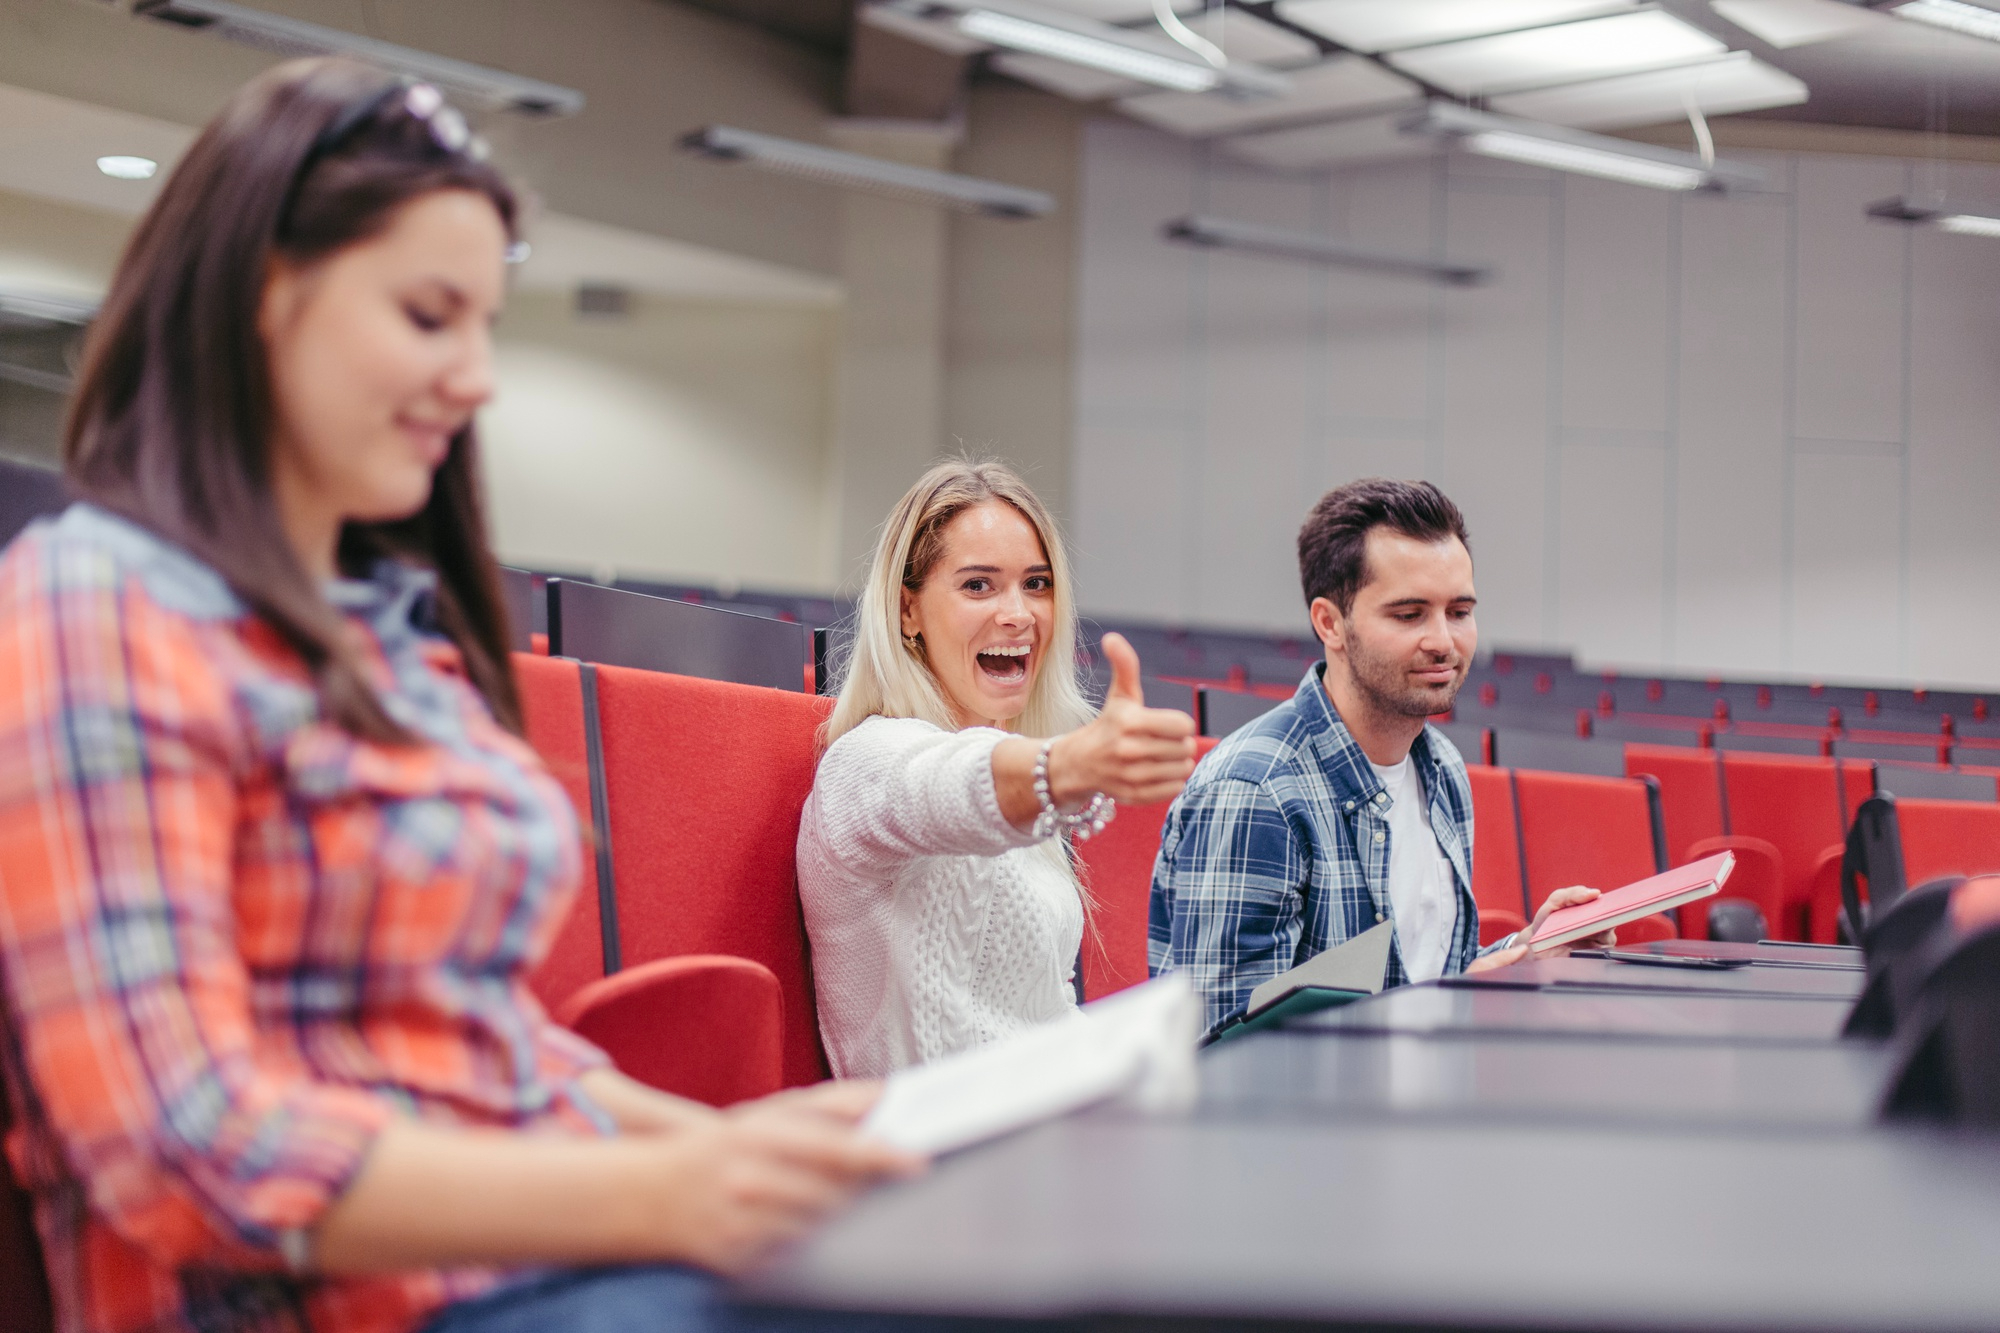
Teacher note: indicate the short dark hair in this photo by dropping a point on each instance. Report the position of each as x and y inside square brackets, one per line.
[1333, 544]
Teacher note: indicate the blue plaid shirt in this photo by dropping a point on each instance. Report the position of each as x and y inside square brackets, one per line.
[1279, 850]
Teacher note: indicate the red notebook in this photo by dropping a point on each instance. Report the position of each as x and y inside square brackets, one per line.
[1683, 884]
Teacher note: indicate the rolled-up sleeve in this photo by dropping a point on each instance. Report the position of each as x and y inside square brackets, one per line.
[128, 1000]
[1228, 893]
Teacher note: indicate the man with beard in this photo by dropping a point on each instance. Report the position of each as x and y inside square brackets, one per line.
[1341, 808]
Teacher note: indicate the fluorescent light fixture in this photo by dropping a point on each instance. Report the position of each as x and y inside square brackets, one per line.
[831, 166]
[119, 166]
[1559, 53]
[1970, 224]
[1579, 151]
[1959, 219]
[1090, 52]
[1312, 248]
[1956, 15]
[469, 85]
[1541, 152]
[1031, 29]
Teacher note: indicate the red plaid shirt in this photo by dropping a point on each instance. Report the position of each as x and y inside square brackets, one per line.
[236, 941]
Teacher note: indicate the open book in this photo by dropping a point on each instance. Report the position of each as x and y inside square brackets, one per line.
[1137, 1045]
[1346, 972]
[1683, 884]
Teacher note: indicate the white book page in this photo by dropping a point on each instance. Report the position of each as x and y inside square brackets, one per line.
[1139, 1043]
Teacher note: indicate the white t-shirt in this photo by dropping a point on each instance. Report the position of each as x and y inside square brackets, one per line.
[1422, 892]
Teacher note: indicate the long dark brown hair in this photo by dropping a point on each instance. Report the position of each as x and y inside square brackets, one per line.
[171, 424]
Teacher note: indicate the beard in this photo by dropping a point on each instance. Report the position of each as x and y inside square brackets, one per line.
[1381, 678]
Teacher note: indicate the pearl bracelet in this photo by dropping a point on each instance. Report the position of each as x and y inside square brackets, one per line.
[1085, 822]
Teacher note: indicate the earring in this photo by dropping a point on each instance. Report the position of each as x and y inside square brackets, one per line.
[913, 642]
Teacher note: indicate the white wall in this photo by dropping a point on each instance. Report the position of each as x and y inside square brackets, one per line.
[685, 441]
[1754, 434]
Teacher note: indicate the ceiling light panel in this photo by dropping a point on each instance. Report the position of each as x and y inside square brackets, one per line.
[1339, 143]
[1953, 16]
[1345, 84]
[1387, 25]
[1561, 53]
[1736, 82]
[1789, 23]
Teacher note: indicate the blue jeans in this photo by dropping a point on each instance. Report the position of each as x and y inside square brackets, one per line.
[645, 1299]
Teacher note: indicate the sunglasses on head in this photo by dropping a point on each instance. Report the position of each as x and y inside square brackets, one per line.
[419, 101]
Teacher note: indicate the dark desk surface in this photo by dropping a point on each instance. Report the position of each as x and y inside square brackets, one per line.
[1429, 1225]
[1432, 1008]
[1544, 1079]
[1751, 981]
[1781, 953]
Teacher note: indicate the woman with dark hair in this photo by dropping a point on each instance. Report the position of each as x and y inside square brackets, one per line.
[274, 859]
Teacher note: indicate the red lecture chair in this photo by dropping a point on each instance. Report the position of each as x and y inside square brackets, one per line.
[552, 699]
[1577, 829]
[1118, 873]
[1690, 793]
[1800, 805]
[706, 781]
[726, 1016]
[1497, 884]
[1947, 838]
[1758, 878]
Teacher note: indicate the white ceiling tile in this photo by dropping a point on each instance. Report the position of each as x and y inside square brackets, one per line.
[1561, 53]
[1330, 144]
[1384, 25]
[1787, 23]
[1341, 85]
[1246, 37]
[1061, 77]
[1736, 82]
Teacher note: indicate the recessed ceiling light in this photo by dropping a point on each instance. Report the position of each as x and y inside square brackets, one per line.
[118, 166]
[1561, 53]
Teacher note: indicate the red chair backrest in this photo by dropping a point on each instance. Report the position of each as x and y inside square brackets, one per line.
[1577, 829]
[552, 701]
[706, 783]
[1497, 884]
[1118, 872]
[1801, 806]
[1947, 838]
[1690, 792]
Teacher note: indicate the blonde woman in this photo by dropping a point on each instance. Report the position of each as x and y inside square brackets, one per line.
[961, 758]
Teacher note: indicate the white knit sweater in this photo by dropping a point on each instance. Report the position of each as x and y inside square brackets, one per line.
[936, 925]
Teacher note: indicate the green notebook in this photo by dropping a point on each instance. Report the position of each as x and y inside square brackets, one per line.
[1341, 975]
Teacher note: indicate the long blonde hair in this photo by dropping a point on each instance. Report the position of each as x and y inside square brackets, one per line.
[885, 677]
